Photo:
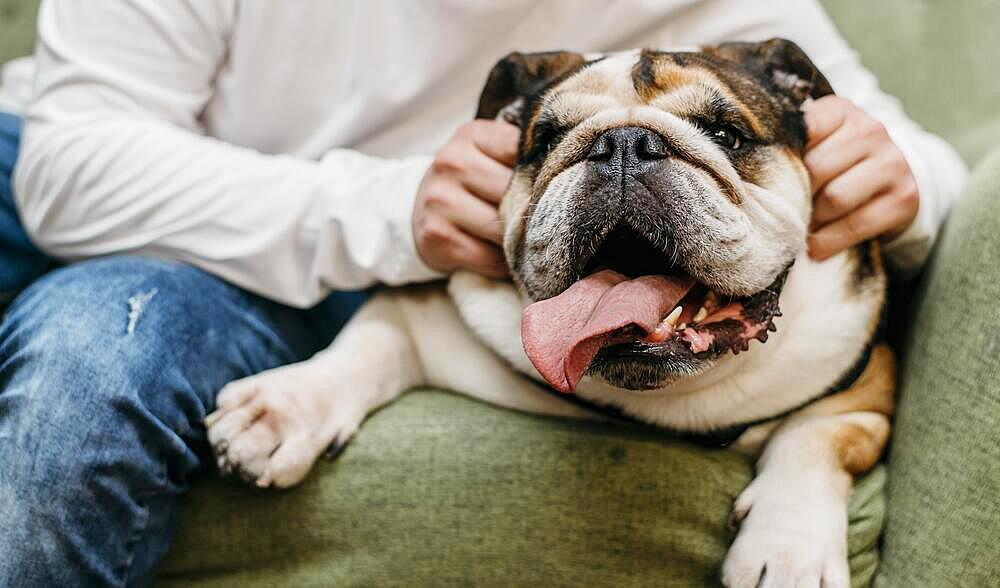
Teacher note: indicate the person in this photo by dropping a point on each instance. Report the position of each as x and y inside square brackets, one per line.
[213, 178]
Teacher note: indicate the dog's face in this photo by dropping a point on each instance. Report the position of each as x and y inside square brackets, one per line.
[687, 166]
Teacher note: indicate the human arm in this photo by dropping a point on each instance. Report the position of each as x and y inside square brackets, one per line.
[115, 159]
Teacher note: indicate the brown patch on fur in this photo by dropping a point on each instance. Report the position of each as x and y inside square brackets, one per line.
[874, 390]
[856, 448]
[657, 73]
[528, 133]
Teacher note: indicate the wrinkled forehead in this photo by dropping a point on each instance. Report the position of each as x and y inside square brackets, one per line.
[685, 83]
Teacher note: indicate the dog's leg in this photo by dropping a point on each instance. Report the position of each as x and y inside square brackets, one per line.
[271, 428]
[793, 516]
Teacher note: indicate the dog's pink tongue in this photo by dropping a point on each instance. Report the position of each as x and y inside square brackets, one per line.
[562, 335]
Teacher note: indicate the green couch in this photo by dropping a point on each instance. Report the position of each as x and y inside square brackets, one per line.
[440, 490]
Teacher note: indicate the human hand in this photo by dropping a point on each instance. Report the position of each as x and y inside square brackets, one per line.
[862, 186]
[455, 220]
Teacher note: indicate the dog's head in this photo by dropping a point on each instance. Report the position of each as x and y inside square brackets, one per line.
[649, 181]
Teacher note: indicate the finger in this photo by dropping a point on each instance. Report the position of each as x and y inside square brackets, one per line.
[835, 155]
[485, 177]
[499, 140]
[850, 190]
[823, 117]
[479, 256]
[476, 217]
[878, 216]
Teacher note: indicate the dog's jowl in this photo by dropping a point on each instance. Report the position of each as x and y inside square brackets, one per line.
[655, 229]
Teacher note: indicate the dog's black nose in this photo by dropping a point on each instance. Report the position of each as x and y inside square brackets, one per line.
[627, 147]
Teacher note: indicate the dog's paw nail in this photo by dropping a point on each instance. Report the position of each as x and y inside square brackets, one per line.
[334, 450]
[736, 518]
[227, 468]
[247, 477]
[264, 480]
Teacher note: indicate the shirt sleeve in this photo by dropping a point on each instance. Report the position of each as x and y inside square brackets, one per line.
[940, 173]
[114, 160]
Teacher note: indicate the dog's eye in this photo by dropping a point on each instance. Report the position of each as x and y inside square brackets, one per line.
[547, 136]
[726, 136]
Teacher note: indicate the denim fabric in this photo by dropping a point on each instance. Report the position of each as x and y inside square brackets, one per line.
[107, 369]
[20, 261]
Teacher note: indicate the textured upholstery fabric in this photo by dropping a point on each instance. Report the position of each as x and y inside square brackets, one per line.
[438, 490]
[939, 56]
[17, 27]
[442, 490]
[945, 481]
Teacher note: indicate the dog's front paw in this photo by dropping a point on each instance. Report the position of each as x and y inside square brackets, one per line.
[270, 428]
[791, 534]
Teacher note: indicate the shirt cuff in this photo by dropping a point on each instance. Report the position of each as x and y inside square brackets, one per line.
[907, 253]
[397, 206]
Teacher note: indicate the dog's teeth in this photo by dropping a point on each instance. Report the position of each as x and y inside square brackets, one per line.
[711, 299]
[674, 316]
[682, 326]
[700, 315]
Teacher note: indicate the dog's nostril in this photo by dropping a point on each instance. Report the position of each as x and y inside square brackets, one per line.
[603, 148]
[649, 146]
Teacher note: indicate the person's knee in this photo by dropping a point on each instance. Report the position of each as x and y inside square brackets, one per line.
[107, 369]
[123, 342]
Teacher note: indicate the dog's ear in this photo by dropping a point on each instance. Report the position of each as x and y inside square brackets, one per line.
[520, 75]
[784, 63]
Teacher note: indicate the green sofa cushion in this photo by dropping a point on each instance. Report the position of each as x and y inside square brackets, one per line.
[439, 490]
[17, 28]
[941, 57]
[943, 492]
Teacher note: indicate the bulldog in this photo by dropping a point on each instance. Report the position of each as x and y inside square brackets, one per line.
[655, 230]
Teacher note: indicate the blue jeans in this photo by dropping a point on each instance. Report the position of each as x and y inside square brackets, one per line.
[107, 368]
[20, 261]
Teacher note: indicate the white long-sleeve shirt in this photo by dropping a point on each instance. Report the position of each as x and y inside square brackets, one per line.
[280, 145]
